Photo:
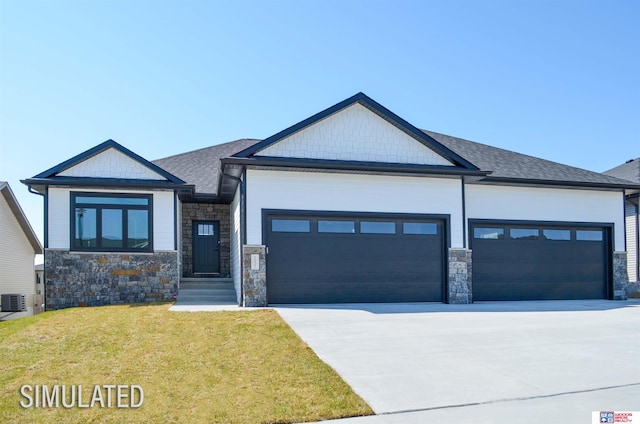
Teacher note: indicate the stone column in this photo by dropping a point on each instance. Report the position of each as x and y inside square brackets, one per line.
[620, 276]
[460, 287]
[254, 276]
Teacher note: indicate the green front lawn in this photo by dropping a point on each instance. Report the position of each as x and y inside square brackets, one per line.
[209, 367]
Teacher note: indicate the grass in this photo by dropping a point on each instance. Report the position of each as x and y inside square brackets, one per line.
[220, 367]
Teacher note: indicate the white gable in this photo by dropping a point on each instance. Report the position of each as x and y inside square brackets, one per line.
[355, 134]
[111, 164]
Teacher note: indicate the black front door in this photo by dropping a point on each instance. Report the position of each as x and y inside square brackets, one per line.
[206, 247]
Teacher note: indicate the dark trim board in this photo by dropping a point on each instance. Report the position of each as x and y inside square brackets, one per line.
[544, 265]
[350, 165]
[357, 264]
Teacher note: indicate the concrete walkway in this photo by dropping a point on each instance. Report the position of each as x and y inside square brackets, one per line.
[515, 362]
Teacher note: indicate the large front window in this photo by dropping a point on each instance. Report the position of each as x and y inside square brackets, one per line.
[109, 222]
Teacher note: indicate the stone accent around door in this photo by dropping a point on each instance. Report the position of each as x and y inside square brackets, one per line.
[254, 276]
[620, 277]
[206, 212]
[460, 287]
[94, 279]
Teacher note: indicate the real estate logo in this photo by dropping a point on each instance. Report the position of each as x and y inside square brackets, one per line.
[614, 417]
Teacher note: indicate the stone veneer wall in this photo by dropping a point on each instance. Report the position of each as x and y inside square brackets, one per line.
[460, 287]
[254, 279]
[620, 277]
[94, 279]
[205, 212]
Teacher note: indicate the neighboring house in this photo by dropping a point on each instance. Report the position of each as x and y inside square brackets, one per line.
[353, 204]
[39, 279]
[18, 247]
[631, 171]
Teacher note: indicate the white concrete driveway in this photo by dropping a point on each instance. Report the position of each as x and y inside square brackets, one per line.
[437, 358]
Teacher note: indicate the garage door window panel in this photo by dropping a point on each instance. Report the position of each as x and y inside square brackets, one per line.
[589, 235]
[336, 226]
[486, 233]
[524, 233]
[377, 227]
[290, 225]
[556, 234]
[420, 228]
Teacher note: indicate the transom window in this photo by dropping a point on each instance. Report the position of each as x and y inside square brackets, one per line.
[105, 222]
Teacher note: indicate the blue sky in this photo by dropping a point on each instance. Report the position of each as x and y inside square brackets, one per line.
[554, 79]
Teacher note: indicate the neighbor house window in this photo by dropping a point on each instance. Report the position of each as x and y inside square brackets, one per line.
[107, 222]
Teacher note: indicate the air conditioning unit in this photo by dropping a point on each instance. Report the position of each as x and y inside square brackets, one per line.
[13, 303]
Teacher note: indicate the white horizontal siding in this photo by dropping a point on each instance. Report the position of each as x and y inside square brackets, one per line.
[632, 240]
[111, 164]
[60, 219]
[17, 271]
[546, 204]
[236, 243]
[163, 217]
[351, 193]
[355, 133]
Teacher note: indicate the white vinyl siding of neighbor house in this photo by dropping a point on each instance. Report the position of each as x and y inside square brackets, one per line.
[546, 204]
[111, 164]
[316, 191]
[357, 134]
[631, 218]
[236, 244]
[17, 271]
[60, 220]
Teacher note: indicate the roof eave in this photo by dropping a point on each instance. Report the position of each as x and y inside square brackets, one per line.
[557, 183]
[106, 183]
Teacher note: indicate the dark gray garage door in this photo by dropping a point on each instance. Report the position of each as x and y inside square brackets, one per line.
[343, 259]
[539, 262]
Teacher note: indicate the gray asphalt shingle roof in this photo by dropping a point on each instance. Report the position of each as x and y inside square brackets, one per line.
[511, 165]
[629, 170]
[202, 167]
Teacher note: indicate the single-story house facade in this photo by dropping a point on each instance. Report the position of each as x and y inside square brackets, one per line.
[630, 171]
[353, 204]
[18, 247]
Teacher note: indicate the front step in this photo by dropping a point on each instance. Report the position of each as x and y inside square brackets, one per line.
[206, 291]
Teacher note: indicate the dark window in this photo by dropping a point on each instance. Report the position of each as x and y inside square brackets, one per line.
[556, 234]
[111, 222]
[419, 228]
[290, 225]
[377, 227]
[524, 233]
[589, 235]
[488, 233]
[327, 226]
